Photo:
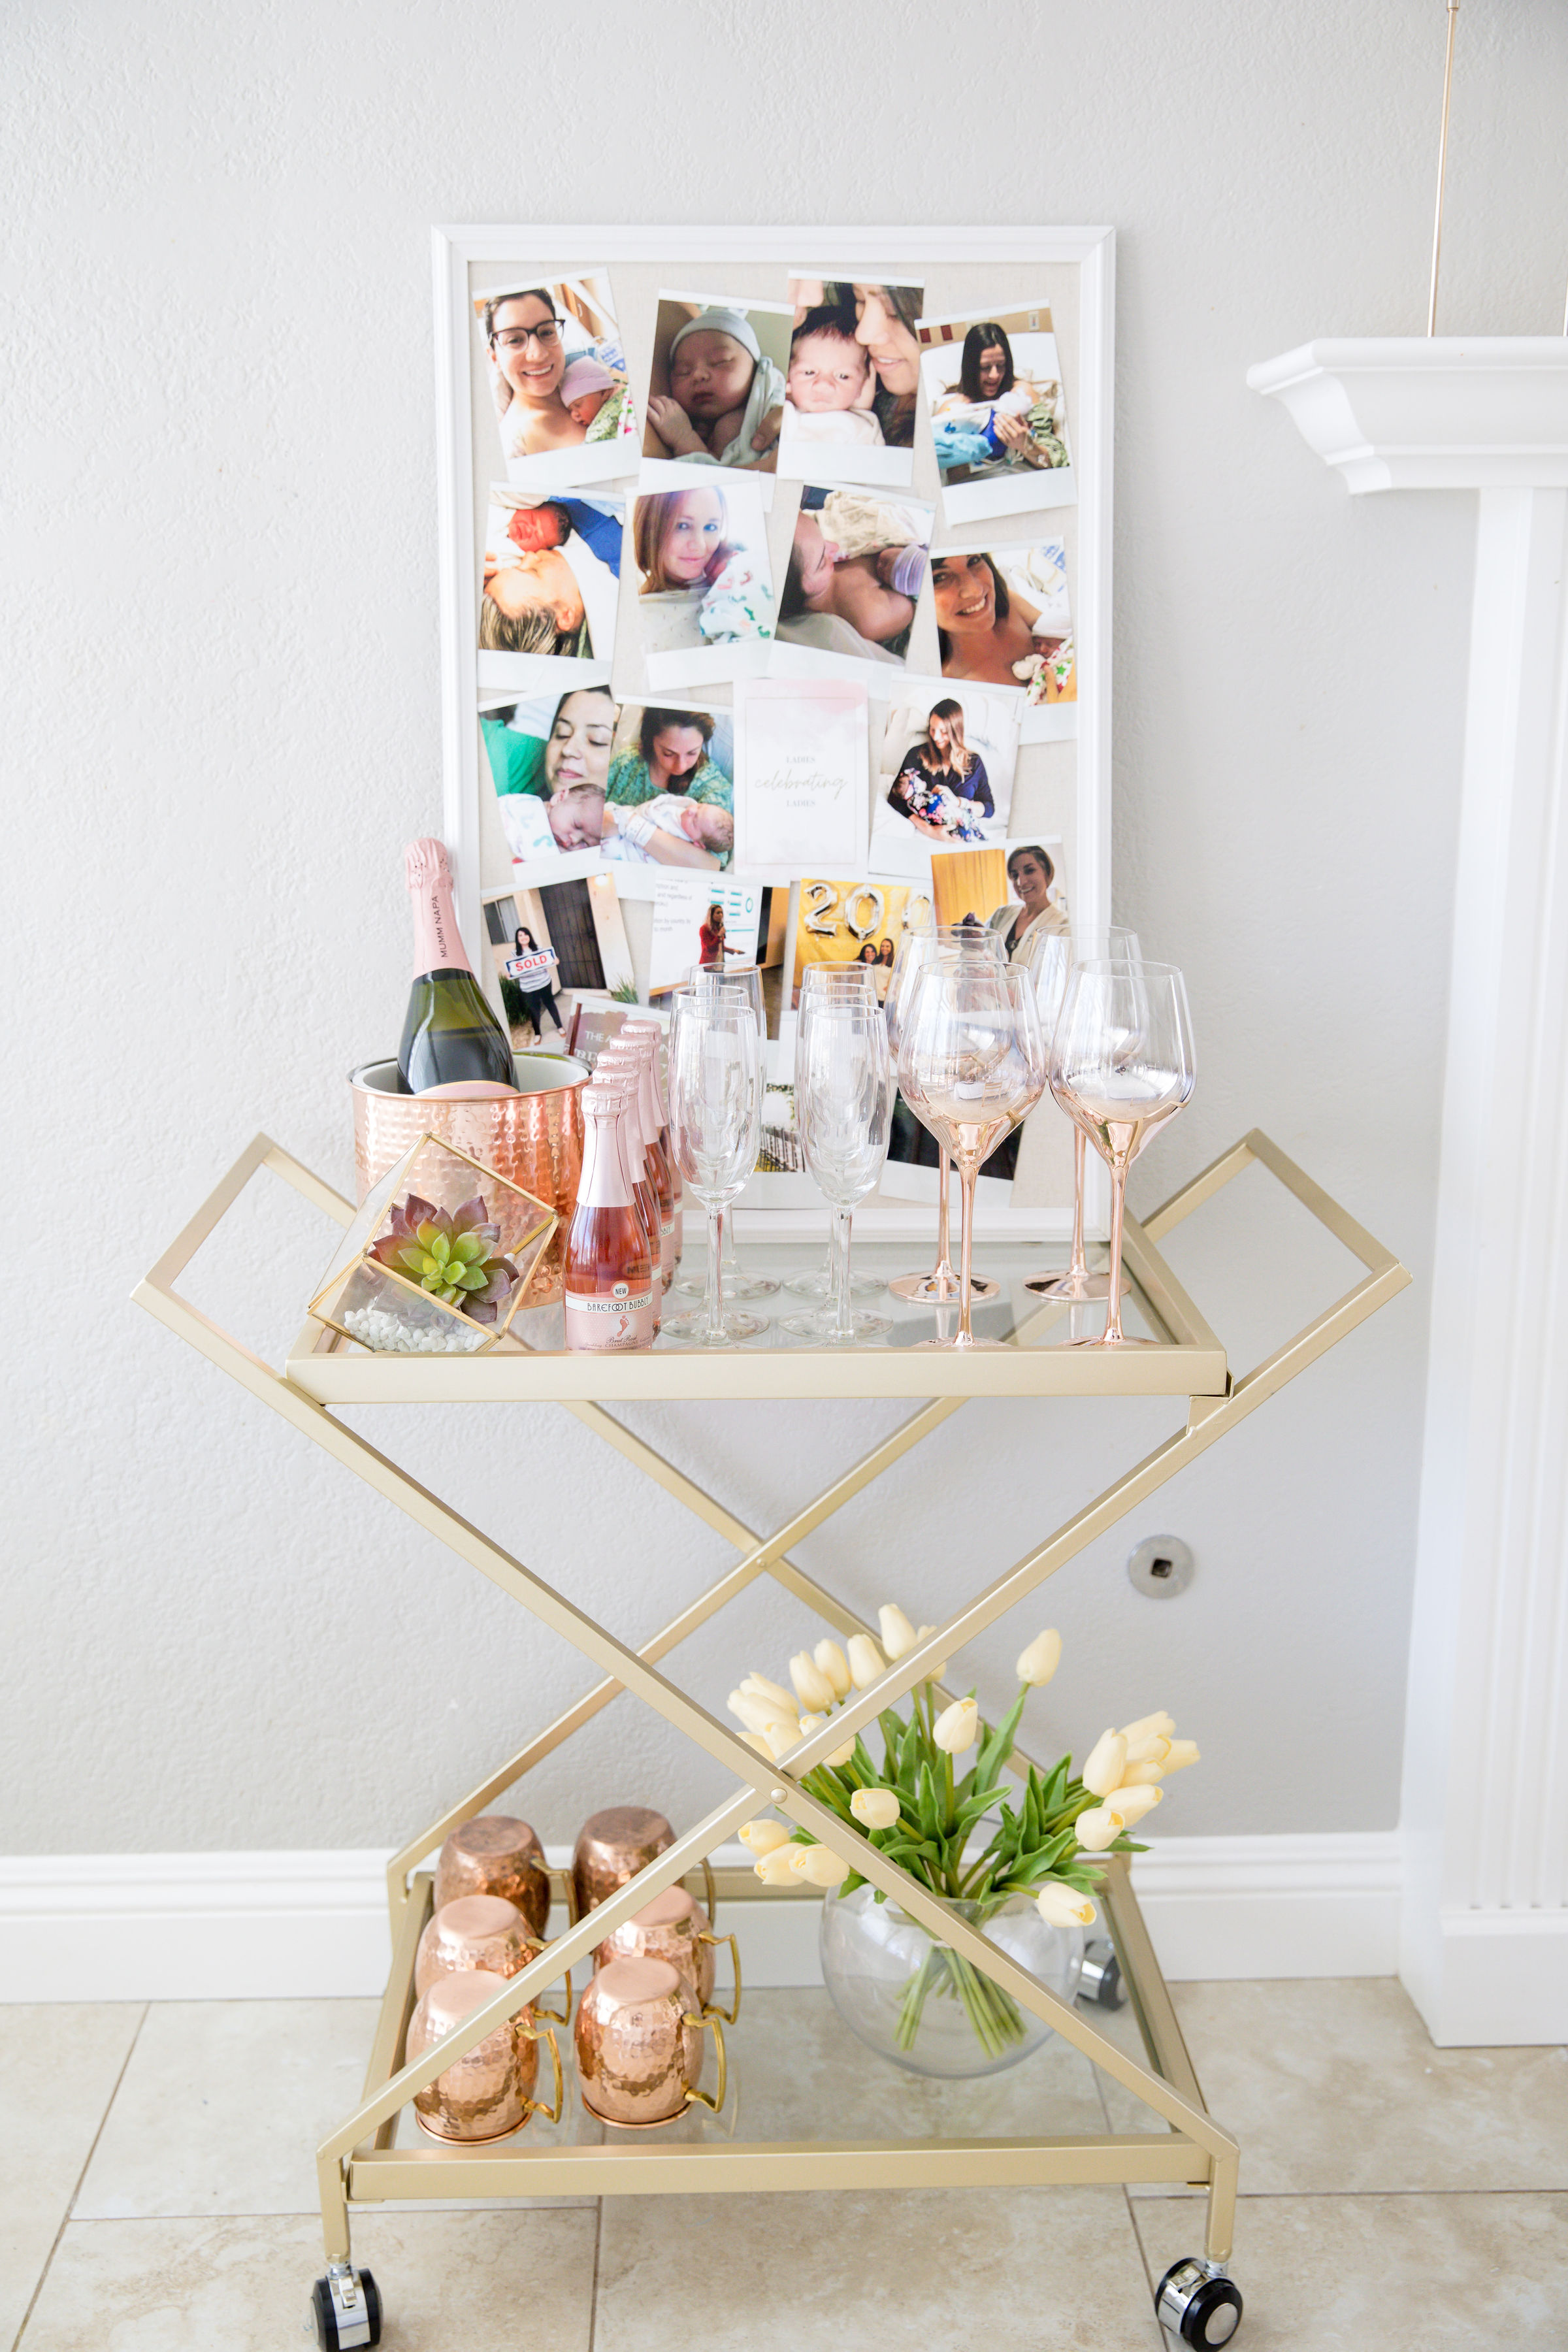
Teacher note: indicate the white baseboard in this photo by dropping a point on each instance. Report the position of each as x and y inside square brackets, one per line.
[1305, 1905]
[211, 1926]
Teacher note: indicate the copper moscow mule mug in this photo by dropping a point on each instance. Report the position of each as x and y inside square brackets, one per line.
[612, 1847]
[480, 1931]
[496, 1854]
[488, 2092]
[639, 2045]
[674, 1927]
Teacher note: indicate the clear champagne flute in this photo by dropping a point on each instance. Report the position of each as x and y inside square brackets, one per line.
[843, 1113]
[853, 983]
[1120, 946]
[738, 1283]
[971, 1065]
[1121, 1065]
[917, 951]
[715, 1120]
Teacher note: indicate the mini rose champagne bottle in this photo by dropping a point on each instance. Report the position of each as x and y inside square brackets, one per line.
[609, 1279]
[452, 1042]
[649, 1033]
[619, 1087]
[636, 1056]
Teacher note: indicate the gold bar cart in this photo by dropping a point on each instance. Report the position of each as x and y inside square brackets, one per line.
[362, 2162]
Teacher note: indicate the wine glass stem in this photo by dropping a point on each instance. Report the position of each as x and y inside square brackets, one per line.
[843, 1327]
[968, 1170]
[1118, 1205]
[713, 1299]
[1079, 1266]
[943, 1269]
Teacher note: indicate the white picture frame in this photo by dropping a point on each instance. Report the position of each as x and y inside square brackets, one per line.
[763, 258]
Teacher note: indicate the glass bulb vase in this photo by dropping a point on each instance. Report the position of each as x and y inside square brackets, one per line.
[917, 2002]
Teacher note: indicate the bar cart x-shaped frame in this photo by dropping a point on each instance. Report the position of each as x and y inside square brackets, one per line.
[358, 2163]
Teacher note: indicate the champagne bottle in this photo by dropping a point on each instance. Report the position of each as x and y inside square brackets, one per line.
[609, 1273]
[450, 1037]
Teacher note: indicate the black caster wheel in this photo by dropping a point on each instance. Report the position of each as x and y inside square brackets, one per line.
[346, 2309]
[1194, 2306]
[1101, 1980]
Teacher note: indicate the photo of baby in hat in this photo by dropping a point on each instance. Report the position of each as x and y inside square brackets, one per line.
[555, 367]
[594, 398]
[717, 391]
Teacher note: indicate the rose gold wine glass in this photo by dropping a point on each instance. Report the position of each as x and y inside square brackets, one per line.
[917, 951]
[1119, 946]
[1122, 1065]
[971, 1065]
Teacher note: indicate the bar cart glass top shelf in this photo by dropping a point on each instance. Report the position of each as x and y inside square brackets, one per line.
[1035, 1354]
[371, 2157]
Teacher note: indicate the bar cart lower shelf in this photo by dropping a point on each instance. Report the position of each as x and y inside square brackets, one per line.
[370, 2159]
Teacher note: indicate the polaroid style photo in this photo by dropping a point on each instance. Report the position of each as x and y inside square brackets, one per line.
[839, 922]
[1009, 889]
[597, 1022]
[851, 381]
[527, 970]
[705, 610]
[580, 923]
[716, 385]
[801, 756]
[548, 757]
[1001, 613]
[696, 921]
[998, 416]
[550, 580]
[554, 368]
[671, 794]
[856, 568]
[946, 775]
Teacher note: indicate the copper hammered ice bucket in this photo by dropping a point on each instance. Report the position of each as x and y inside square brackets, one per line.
[533, 1137]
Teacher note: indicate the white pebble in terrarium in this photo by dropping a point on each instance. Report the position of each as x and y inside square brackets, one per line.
[389, 1334]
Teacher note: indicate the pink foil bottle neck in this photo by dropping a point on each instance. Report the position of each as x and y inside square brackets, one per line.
[438, 942]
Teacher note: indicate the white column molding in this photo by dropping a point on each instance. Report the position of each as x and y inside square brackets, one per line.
[1484, 1926]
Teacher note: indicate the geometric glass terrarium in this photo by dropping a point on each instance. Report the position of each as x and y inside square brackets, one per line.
[437, 1259]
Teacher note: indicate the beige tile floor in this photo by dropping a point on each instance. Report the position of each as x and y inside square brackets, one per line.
[156, 2196]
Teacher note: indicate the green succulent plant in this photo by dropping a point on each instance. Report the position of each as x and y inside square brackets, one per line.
[452, 1254]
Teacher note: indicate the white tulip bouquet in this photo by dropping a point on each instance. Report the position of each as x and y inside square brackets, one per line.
[1052, 1841]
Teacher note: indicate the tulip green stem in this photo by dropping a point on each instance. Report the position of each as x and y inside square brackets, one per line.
[994, 2015]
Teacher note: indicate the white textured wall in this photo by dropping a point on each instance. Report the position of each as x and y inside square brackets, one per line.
[220, 724]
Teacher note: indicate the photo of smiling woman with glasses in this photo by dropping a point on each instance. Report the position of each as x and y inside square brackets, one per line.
[557, 377]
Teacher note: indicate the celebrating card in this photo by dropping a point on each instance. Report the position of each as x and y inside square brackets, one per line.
[800, 777]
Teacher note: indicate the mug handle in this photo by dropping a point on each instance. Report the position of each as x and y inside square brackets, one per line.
[537, 2107]
[711, 2017]
[713, 2010]
[561, 2016]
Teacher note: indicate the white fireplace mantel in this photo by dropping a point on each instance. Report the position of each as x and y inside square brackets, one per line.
[1439, 412]
[1484, 1943]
